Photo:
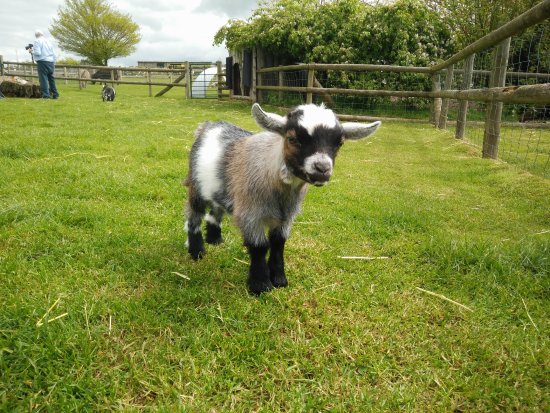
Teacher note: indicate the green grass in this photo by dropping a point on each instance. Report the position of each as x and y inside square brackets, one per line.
[91, 231]
[527, 148]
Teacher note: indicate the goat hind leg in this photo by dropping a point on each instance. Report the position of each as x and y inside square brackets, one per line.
[214, 226]
[195, 243]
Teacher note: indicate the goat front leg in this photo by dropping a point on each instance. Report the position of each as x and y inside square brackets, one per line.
[257, 244]
[258, 273]
[276, 262]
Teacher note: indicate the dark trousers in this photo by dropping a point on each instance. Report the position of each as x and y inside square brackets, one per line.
[47, 82]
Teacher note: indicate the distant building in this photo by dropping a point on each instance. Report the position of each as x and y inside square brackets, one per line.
[161, 65]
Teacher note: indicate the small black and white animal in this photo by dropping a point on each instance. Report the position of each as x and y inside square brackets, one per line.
[262, 179]
[108, 93]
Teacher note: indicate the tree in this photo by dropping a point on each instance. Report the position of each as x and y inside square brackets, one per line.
[472, 20]
[68, 61]
[93, 29]
[405, 32]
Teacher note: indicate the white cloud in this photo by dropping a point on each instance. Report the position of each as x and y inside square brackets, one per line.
[242, 8]
[171, 30]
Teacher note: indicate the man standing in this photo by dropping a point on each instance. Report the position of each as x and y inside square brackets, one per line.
[44, 56]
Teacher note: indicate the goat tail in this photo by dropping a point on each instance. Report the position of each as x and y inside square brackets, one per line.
[187, 181]
[200, 129]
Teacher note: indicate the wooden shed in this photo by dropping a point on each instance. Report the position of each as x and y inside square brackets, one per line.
[241, 67]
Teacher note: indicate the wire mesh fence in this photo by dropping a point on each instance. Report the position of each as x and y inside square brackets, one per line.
[524, 129]
[349, 103]
[514, 130]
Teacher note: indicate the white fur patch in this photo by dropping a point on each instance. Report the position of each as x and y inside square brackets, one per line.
[195, 231]
[285, 175]
[208, 159]
[315, 116]
[309, 162]
[211, 220]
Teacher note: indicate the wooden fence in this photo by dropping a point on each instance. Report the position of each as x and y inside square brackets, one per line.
[179, 78]
[495, 95]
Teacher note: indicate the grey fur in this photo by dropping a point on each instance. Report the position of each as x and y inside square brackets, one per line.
[261, 179]
[253, 173]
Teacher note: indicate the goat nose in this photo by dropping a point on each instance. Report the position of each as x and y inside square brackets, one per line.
[323, 167]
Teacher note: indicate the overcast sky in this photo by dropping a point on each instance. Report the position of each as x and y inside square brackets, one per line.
[171, 30]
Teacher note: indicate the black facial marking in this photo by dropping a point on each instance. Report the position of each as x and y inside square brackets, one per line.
[302, 145]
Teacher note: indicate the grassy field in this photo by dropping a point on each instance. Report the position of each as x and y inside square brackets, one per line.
[102, 309]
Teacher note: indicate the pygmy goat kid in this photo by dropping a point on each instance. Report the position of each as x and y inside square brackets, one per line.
[108, 93]
[261, 179]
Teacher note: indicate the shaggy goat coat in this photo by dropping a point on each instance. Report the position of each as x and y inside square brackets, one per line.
[261, 179]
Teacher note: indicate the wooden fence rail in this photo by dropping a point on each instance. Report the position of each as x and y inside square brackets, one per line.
[539, 94]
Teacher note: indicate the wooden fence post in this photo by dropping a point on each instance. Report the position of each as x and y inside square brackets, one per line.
[281, 83]
[1, 65]
[442, 122]
[493, 115]
[79, 77]
[187, 80]
[310, 78]
[463, 105]
[436, 102]
[219, 74]
[255, 95]
[149, 80]
[65, 75]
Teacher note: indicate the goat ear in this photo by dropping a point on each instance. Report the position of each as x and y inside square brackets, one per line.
[354, 131]
[269, 121]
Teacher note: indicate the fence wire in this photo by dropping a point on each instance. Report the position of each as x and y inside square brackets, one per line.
[524, 129]
[386, 106]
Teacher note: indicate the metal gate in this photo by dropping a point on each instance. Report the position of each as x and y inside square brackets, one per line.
[204, 80]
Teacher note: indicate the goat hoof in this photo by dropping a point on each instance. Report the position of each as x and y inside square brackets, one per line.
[197, 255]
[279, 281]
[214, 240]
[213, 234]
[258, 287]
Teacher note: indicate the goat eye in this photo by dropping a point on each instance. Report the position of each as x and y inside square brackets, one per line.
[293, 140]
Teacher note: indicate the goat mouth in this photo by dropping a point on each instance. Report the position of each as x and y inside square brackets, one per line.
[317, 180]
[311, 178]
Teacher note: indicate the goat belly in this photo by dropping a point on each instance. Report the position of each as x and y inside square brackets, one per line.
[209, 157]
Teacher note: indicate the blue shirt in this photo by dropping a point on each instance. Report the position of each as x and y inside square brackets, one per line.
[42, 49]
